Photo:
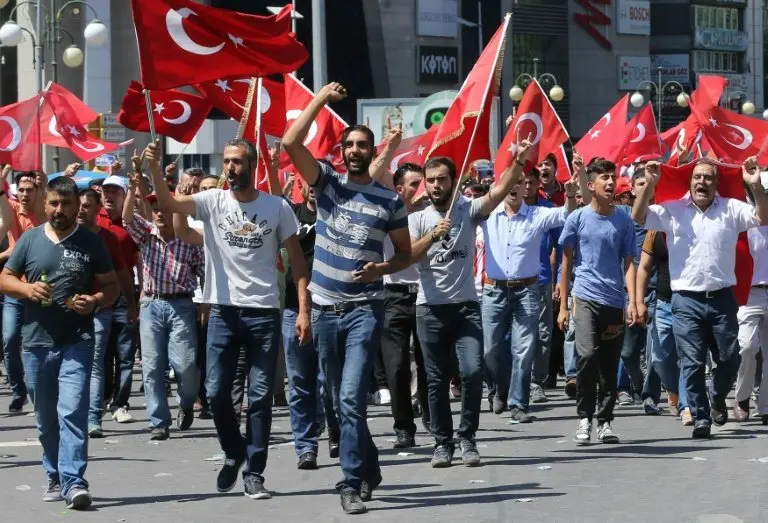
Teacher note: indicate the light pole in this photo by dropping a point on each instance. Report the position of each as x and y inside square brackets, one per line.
[49, 29]
[637, 99]
[747, 107]
[556, 93]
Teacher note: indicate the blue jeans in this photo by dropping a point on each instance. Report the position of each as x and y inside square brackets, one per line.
[13, 317]
[701, 323]
[635, 340]
[58, 380]
[570, 356]
[258, 330]
[168, 331]
[123, 349]
[445, 330]
[306, 386]
[102, 321]
[513, 310]
[540, 371]
[347, 342]
[664, 361]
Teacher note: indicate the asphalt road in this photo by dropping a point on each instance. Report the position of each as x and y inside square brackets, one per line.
[530, 473]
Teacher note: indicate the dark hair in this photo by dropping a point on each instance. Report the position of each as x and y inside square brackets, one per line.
[362, 128]
[211, 177]
[195, 172]
[639, 173]
[253, 154]
[90, 193]
[397, 178]
[25, 174]
[551, 158]
[707, 161]
[478, 187]
[64, 186]
[533, 172]
[441, 161]
[599, 165]
[96, 183]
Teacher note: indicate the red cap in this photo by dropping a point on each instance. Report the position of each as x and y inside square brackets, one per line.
[623, 185]
[152, 198]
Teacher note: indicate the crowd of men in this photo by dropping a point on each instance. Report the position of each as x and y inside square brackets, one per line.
[381, 282]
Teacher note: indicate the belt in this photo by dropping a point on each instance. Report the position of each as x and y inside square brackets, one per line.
[707, 294]
[171, 296]
[405, 288]
[511, 283]
[342, 307]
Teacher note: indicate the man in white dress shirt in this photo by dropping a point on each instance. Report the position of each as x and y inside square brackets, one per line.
[702, 229]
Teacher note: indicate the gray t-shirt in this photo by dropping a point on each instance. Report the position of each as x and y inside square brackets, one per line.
[242, 242]
[71, 266]
[446, 273]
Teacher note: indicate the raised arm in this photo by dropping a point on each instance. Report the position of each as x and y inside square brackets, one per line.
[578, 169]
[379, 169]
[130, 199]
[509, 178]
[293, 139]
[751, 175]
[175, 204]
[645, 194]
[273, 166]
[6, 215]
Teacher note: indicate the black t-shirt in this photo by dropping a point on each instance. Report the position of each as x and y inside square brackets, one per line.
[306, 237]
[656, 245]
[70, 266]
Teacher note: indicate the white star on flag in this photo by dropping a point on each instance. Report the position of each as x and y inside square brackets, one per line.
[594, 134]
[329, 157]
[71, 129]
[712, 121]
[236, 40]
[159, 108]
[421, 150]
[223, 85]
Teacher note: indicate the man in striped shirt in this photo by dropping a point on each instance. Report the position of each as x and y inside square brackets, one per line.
[167, 328]
[355, 214]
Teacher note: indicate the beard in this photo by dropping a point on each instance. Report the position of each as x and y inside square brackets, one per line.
[441, 200]
[239, 182]
[358, 170]
[61, 222]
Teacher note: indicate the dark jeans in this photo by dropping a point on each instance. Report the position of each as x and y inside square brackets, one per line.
[346, 342]
[635, 341]
[202, 347]
[399, 324]
[258, 330]
[442, 330]
[121, 355]
[706, 321]
[599, 337]
[13, 318]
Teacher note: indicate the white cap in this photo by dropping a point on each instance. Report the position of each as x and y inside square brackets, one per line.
[117, 181]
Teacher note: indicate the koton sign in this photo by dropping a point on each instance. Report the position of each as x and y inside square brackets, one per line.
[634, 17]
[633, 71]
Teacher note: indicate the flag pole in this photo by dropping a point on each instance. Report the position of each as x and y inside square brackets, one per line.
[241, 127]
[150, 116]
[257, 134]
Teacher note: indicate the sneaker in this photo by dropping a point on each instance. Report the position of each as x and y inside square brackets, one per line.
[442, 457]
[673, 400]
[625, 398]
[701, 429]
[227, 478]
[650, 407]
[537, 394]
[351, 503]
[53, 493]
[605, 433]
[254, 488]
[470, 457]
[95, 432]
[159, 434]
[498, 405]
[122, 415]
[205, 413]
[333, 448]
[366, 488]
[583, 432]
[404, 440]
[740, 414]
[17, 405]
[570, 387]
[455, 388]
[382, 397]
[307, 461]
[518, 415]
[184, 419]
[637, 399]
[79, 498]
[719, 412]
[686, 418]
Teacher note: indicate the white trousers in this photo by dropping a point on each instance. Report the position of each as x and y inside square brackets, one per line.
[753, 334]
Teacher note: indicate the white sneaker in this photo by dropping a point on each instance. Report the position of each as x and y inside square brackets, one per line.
[122, 415]
[605, 433]
[382, 397]
[584, 432]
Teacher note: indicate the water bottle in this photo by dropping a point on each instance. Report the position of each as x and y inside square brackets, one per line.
[45, 303]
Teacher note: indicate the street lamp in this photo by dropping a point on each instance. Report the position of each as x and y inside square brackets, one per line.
[746, 108]
[637, 99]
[556, 93]
[48, 30]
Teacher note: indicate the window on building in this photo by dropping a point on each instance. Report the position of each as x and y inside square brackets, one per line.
[716, 62]
[710, 17]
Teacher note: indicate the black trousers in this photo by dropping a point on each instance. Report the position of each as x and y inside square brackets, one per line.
[399, 325]
[599, 338]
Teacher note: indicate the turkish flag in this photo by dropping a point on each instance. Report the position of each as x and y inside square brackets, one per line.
[463, 134]
[19, 136]
[535, 118]
[49, 134]
[262, 182]
[412, 149]
[563, 173]
[641, 137]
[605, 138]
[674, 183]
[324, 137]
[182, 42]
[229, 96]
[709, 91]
[176, 114]
[83, 145]
[733, 137]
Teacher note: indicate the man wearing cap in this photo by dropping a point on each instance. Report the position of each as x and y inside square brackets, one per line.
[121, 348]
[167, 328]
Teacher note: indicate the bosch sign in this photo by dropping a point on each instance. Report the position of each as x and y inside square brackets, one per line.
[634, 17]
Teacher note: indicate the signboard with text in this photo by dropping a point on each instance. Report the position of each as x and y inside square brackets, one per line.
[674, 67]
[633, 70]
[720, 39]
[633, 17]
[437, 64]
[437, 18]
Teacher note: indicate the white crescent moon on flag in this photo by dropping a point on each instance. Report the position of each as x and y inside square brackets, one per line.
[607, 118]
[681, 139]
[185, 114]
[97, 146]
[640, 135]
[746, 142]
[15, 134]
[173, 23]
[292, 114]
[396, 160]
[536, 119]
[52, 127]
[266, 100]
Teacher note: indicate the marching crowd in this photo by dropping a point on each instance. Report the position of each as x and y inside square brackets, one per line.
[365, 281]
